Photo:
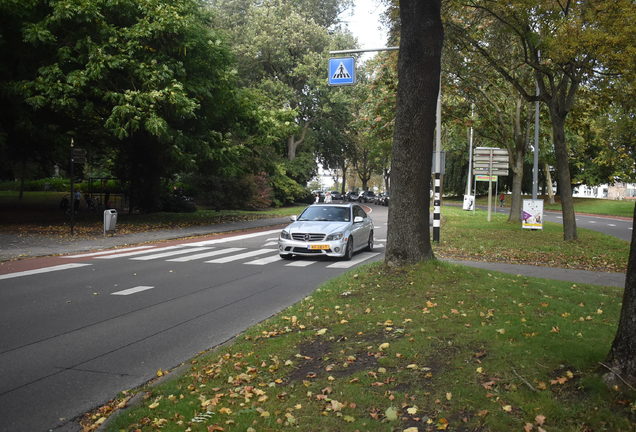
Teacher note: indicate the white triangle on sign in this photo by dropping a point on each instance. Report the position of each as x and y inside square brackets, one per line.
[341, 72]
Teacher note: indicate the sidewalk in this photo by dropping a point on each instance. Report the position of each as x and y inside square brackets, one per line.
[15, 246]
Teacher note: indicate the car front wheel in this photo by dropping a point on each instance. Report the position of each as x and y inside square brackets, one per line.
[370, 242]
[286, 256]
[349, 250]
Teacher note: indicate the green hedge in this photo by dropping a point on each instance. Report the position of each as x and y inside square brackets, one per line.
[59, 184]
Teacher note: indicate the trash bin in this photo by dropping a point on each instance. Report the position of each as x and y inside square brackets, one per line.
[110, 220]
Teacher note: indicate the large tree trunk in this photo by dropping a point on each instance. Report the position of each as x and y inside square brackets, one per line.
[517, 181]
[563, 173]
[293, 143]
[622, 356]
[421, 43]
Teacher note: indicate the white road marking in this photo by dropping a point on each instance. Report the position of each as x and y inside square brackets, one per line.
[272, 243]
[171, 253]
[272, 239]
[241, 256]
[205, 255]
[300, 263]
[106, 252]
[123, 255]
[592, 221]
[612, 225]
[380, 240]
[266, 260]
[42, 270]
[134, 290]
[347, 264]
[378, 246]
[234, 238]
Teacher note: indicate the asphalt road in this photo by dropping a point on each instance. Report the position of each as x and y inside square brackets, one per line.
[73, 338]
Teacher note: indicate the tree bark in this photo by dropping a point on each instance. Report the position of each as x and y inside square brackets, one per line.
[293, 143]
[548, 182]
[421, 41]
[622, 355]
[563, 174]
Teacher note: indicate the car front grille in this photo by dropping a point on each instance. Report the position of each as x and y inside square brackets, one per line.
[311, 237]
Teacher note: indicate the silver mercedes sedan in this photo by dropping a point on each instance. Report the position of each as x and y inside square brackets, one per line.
[336, 230]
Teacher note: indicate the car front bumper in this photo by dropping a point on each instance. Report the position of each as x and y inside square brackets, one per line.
[335, 248]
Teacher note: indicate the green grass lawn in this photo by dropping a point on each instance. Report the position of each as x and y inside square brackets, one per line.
[623, 208]
[468, 235]
[425, 348]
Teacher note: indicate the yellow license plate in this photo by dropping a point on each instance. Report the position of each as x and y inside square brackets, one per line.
[318, 246]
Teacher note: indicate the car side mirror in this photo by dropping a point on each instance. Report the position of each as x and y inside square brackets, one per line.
[358, 219]
[293, 218]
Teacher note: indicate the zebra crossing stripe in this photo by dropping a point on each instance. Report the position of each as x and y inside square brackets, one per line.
[106, 252]
[128, 254]
[234, 238]
[266, 260]
[171, 253]
[241, 256]
[347, 264]
[300, 263]
[206, 254]
[42, 270]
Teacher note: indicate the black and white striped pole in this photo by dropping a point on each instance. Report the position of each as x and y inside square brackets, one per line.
[437, 191]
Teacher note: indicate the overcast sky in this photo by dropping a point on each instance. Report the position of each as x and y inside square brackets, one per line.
[365, 24]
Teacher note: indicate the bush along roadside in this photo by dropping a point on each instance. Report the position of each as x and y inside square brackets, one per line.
[426, 348]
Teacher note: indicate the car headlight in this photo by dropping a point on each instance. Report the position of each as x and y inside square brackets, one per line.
[285, 235]
[335, 236]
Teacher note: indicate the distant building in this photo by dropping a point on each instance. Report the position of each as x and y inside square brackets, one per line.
[617, 191]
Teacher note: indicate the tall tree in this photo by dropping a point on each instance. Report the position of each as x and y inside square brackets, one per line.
[622, 356]
[421, 41]
[565, 43]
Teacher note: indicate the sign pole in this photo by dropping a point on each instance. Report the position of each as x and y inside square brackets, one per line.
[489, 187]
[72, 200]
[437, 197]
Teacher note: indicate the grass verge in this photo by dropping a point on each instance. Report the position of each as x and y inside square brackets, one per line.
[426, 348]
[468, 235]
[622, 208]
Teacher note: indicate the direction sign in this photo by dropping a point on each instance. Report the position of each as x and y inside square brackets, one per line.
[490, 161]
[342, 71]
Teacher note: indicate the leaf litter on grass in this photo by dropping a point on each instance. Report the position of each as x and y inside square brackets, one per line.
[408, 348]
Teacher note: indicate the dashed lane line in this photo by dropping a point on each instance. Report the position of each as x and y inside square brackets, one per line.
[134, 290]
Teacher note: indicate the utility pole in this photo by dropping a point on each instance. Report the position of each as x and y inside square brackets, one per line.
[437, 195]
[535, 166]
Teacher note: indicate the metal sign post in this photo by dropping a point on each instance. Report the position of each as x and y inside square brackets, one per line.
[492, 162]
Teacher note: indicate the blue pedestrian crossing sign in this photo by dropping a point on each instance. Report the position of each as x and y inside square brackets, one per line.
[342, 71]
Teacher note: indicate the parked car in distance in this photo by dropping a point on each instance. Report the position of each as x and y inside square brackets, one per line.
[335, 230]
[378, 199]
[320, 194]
[366, 196]
[351, 196]
[385, 200]
[336, 196]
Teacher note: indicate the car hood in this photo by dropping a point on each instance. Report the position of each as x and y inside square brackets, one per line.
[317, 227]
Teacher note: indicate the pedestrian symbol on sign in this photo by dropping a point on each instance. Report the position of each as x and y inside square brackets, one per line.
[342, 71]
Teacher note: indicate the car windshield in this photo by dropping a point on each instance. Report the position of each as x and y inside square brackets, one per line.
[326, 214]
